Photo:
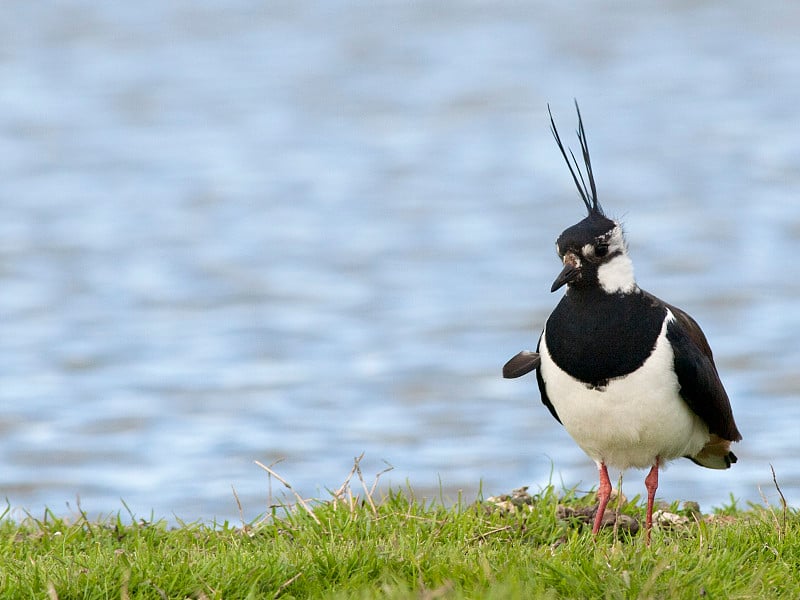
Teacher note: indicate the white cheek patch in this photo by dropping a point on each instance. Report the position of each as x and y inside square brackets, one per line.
[616, 241]
[616, 276]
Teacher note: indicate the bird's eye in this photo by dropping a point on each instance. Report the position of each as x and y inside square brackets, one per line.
[601, 250]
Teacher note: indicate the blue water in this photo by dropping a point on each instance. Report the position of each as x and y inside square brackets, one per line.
[250, 231]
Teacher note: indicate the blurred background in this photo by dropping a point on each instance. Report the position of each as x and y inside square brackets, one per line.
[238, 231]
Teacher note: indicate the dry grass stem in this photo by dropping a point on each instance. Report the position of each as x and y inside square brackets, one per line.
[245, 526]
[286, 584]
[344, 489]
[302, 502]
[364, 485]
[388, 468]
[782, 530]
[483, 535]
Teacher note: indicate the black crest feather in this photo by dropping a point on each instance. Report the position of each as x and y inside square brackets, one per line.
[588, 194]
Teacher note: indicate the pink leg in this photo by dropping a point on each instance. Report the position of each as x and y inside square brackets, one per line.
[651, 483]
[603, 495]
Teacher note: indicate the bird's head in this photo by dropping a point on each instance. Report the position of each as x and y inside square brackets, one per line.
[593, 251]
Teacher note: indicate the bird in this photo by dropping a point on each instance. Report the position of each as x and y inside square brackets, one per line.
[630, 377]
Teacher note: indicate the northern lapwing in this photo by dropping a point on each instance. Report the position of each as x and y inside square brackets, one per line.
[631, 378]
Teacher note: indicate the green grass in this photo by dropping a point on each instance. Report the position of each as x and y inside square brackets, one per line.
[404, 547]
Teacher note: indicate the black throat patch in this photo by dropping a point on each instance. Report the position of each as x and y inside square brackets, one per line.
[596, 337]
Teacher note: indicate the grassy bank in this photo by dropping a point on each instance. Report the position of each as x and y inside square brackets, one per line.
[352, 546]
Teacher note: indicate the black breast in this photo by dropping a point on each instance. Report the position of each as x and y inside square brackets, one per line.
[596, 337]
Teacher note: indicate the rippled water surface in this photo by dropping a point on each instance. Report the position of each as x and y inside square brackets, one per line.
[249, 231]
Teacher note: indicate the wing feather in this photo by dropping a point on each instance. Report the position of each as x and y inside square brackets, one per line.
[521, 364]
[699, 380]
[543, 388]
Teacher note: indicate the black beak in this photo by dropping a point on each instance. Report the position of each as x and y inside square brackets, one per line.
[568, 273]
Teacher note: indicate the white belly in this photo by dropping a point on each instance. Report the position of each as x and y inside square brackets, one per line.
[634, 419]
